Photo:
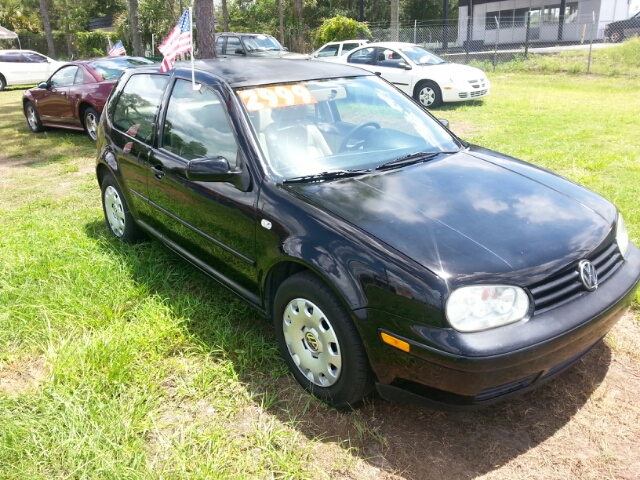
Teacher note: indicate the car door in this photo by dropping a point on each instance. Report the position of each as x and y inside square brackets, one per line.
[38, 66]
[632, 26]
[394, 68]
[15, 71]
[53, 104]
[210, 223]
[234, 47]
[133, 118]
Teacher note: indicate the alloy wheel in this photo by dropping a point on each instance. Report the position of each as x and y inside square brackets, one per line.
[427, 96]
[91, 124]
[32, 117]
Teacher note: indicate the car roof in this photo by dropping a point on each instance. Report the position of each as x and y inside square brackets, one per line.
[392, 44]
[222, 34]
[16, 50]
[246, 72]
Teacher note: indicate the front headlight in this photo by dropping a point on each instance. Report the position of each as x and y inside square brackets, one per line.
[480, 307]
[622, 236]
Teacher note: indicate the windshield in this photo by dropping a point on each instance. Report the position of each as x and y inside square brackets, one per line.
[261, 42]
[112, 67]
[357, 123]
[420, 56]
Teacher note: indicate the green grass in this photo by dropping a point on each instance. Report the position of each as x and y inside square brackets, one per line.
[623, 59]
[148, 369]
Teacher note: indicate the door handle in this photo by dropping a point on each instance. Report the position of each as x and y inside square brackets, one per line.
[157, 171]
[63, 93]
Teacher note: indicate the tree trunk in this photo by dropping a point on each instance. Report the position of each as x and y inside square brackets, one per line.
[281, 15]
[225, 15]
[46, 24]
[203, 13]
[394, 20]
[297, 12]
[136, 37]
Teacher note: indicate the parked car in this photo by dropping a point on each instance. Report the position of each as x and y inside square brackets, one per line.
[75, 95]
[25, 67]
[331, 51]
[252, 45]
[618, 31]
[420, 73]
[386, 250]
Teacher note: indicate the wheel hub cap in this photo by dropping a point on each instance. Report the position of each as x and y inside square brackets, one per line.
[312, 342]
[114, 211]
[427, 96]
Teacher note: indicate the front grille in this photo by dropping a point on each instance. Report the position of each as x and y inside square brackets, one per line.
[462, 95]
[566, 286]
[479, 93]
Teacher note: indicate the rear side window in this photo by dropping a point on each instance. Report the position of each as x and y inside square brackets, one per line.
[11, 57]
[197, 126]
[329, 51]
[137, 107]
[347, 47]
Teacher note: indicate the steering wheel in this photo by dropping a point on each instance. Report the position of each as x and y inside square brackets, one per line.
[353, 131]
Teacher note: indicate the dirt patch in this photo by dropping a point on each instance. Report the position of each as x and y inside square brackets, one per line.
[21, 376]
[583, 424]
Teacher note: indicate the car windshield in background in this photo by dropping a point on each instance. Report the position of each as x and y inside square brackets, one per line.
[112, 68]
[420, 56]
[315, 127]
[260, 42]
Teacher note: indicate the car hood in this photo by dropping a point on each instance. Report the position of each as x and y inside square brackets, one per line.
[279, 54]
[473, 215]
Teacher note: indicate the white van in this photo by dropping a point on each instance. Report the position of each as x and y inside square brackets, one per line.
[25, 67]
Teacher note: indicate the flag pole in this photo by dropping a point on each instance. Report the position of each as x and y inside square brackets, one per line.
[193, 71]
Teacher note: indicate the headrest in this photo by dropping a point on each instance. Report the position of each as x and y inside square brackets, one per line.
[286, 115]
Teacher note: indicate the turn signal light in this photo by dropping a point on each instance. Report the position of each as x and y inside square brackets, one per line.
[394, 342]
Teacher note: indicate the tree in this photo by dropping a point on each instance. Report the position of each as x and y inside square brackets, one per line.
[225, 15]
[206, 38]
[135, 28]
[395, 14]
[46, 24]
[340, 28]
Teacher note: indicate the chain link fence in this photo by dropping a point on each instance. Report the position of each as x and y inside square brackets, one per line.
[491, 41]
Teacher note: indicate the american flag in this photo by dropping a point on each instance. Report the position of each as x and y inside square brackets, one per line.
[117, 50]
[178, 41]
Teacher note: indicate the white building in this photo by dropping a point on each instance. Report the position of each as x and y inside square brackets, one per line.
[505, 21]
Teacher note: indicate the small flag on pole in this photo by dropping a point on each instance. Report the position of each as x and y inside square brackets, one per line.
[117, 50]
[178, 41]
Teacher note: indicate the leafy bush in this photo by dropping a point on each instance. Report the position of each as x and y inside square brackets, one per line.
[83, 44]
[340, 28]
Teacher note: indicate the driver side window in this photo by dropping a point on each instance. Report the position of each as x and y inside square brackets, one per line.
[364, 56]
[197, 126]
[64, 77]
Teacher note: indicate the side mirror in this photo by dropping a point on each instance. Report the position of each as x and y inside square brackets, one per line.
[43, 85]
[285, 49]
[444, 122]
[404, 65]
[213, 169]
[239, 51]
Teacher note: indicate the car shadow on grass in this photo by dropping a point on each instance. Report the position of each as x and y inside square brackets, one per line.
[392, 439]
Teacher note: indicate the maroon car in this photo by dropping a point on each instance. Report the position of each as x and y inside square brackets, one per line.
[75, 94]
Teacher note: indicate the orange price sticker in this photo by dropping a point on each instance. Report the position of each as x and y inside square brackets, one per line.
[276, 97]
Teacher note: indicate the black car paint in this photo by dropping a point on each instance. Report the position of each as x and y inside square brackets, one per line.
[392, 264]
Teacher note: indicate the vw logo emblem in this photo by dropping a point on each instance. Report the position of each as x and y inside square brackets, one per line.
[588, 275]
[312, 341]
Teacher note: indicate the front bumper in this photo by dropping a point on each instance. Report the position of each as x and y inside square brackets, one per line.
[455, 93]
[448, 369]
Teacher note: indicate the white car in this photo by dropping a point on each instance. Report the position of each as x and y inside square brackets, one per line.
[425, 76]
[330, 52]
[25, 67]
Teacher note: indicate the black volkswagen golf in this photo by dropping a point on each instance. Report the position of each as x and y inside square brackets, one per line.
[389, 253]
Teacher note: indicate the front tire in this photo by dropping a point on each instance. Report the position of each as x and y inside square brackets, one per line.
[3, 83]
[33, 119]
[428, 94]
[117, 213]
[91, 119]
[617, 37]
[319, 341]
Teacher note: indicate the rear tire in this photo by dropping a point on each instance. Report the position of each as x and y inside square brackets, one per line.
[91, 119]
[617, 37]
[428, 94]
[117, 213]
[33, 119]
[319, 341]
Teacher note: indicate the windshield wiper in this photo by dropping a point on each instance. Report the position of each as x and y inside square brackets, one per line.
[412, 158]
[330, 175]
